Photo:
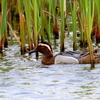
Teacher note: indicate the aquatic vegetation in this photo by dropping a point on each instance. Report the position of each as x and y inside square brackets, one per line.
[3, 25]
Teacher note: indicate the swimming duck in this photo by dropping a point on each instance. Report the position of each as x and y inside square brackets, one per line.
[67, 57]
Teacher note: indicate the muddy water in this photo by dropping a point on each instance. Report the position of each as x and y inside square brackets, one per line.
[24, 78]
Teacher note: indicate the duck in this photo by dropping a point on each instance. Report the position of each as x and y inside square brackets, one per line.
[66, 57]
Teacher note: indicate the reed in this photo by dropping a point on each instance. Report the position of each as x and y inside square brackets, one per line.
[62, 26]
[55, 12]
[82, 24]
[0, 34]
[47, 17]
[88, 11]
[42, 18]
[35, 23]
[52, 19]
[3, 22]
[96, 23]
[90, 16]
[22, 28]
[27, 9]
[74, 23]
[35, 6]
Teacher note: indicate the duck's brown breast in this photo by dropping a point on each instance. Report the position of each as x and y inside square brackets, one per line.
[48, 60]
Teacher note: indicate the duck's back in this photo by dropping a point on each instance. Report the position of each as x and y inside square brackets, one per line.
[75, 54]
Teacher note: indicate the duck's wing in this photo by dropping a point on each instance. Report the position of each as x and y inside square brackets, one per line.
[75, 54]
[86, 59]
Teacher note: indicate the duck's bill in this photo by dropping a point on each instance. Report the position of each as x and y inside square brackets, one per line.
[32, 51]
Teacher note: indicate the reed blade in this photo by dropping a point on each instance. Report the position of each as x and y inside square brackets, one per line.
[3, 22]
[22, 21]
[62, 25]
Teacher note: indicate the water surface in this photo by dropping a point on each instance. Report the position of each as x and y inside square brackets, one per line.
[24, 78]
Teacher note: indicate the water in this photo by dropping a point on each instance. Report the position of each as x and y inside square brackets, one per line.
[24, 78]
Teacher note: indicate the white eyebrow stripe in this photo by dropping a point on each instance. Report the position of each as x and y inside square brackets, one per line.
[45, 46]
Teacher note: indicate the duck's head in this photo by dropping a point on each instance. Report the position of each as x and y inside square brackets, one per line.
[43, 48]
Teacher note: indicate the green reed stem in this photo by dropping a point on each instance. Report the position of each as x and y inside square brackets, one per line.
[22, 20]
[35, 5]
[27, 8]
[42, 18]
[3, 26]
[62, 25]
[97, 2]
[73, 11]
[89, 15]
[82, 23]
[49, 23]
